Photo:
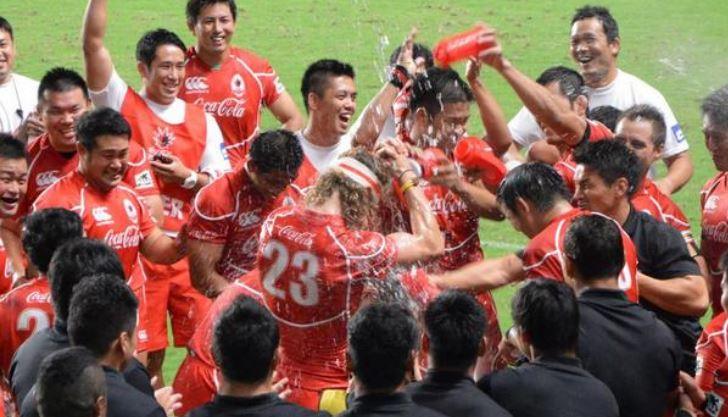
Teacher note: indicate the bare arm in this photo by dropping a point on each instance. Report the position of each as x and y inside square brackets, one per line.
[491, 113]
[161, 249]
[374, 116]
[285, 111]
[479, 200]
[155, 206]
[484, 275]
[203, 258]
[679, 172]
[99, 65]
[685, 296]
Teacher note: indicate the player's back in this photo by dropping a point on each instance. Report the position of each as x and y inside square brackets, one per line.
[313, 271]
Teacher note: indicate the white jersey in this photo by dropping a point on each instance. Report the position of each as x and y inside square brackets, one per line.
[321, 157]
[213, 160]
[624, 92]
[18, 93]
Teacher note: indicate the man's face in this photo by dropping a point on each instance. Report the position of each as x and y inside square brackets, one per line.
[163, 78]
[637, 135]
[716, 140]
[7, 55]
[450, 125]
[13, 185]
[214, 28]
[591, 50]
[337, 105]
[593, 194]
[521, 221]
[105, 165]
[59, 112]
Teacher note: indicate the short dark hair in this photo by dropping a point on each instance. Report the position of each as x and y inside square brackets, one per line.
[606, 115]
[45, 231]
[245, 341]
[611, 160]
[593, 243]
[455, 324]
[70, 381]
[437, 87]
[99, 122]
[547, 310]
[316, 77]
[11, 148]
[276, 150]
[571, 83]
[61, 80]
[102, 307]
[381, 340]
[715, 106]
[651, 114]
[7, 27]
[536, 182]
[148, 44]
[418, 51]
[194, 8]
[74, 262]
[609, 25]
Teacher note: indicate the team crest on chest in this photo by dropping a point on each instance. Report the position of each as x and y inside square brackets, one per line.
[712, 203]
[163, 137]
[131, 211]
[237, 85]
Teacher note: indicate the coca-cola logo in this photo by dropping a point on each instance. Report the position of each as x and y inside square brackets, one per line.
[229, 107]
[249, 219]
[128, 238]
[38, 297]
[298, 237]
[445, 205]
[46, 179]
[717, 232]
[196, 84]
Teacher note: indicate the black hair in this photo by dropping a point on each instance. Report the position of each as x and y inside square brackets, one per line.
[245, 341]
[571, 83]
[69, 383]
[45, 231]
[594, 244]
[609, 25]
[102, 307]
[547, 310]
[611, 160]
[74, 262]
[715, 106]
[148, 44]
[316, 78]
[6, 27]
[61, 80]
[194, 8]
[455, 324]
[437, 87]
[381, 340]
[418, 51]
[11, 148]
[606, 115]
[536, 182]
[276, 151]
[651, 114]
[100, 122]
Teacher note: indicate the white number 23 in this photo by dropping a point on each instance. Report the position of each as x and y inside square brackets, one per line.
[304, 292]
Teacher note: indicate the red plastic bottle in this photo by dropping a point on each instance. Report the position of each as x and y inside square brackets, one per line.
[461, 46]
[426, 164]
[474, 153]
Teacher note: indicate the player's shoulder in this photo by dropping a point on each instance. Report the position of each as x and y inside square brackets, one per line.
[714, 183]
[250, 58]
[643, 90]
[26, 83]
[36, 145]
[218, 197]
[360, 243]
[61, 192]
[35, 291]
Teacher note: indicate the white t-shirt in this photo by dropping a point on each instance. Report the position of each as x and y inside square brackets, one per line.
[213, 162]
[18, 93]
[322, 156]
[624, 92]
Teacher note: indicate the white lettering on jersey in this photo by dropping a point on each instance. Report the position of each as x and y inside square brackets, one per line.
[197, 85]
[33, 315]
[46, 179]
[173, 207]
[128, 238]
[101, 214]
[230, 107]
[305, 292]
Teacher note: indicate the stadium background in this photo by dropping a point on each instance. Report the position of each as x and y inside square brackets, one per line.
[677, 46]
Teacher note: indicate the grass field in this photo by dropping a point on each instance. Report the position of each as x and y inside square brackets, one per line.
[677, 46]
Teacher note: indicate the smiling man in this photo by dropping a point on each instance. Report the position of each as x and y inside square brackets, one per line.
[13, 175]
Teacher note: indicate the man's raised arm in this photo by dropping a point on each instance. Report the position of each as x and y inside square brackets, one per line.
[99, 66]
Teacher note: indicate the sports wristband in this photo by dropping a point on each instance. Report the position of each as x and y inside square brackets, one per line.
[407, 185]
[398, 76]
[190, 182]
[401, 174]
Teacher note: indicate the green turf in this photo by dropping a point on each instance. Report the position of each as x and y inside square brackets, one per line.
[676, 45]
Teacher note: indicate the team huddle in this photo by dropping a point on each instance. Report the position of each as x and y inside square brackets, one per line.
[334, 266]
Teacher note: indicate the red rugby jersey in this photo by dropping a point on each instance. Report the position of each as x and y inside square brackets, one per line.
[567, 166]
[712, 366]
[651, 200]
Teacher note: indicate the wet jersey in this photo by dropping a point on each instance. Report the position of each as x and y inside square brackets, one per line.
[234, 94]
[543, 256]
[313, 271]
[712, 366]
[566, 167]
[6, 271]
[651, 200]
[714, 223]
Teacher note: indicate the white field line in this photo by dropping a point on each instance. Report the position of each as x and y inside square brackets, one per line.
[500, 245]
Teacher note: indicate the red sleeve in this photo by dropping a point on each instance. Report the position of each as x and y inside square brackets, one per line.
[52, 197]
[538, 262]
[139, 175]
[210, 218]
[566, 170]
[709, 358]
[598, 131]
[272, 86]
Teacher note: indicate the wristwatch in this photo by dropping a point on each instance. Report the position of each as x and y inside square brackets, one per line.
[190, 182]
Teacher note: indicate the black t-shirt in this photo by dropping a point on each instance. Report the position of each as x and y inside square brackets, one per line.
[550, 387]
[663, 254]
[390, 405]
[454, 395]
[630, 350]
[266, 405]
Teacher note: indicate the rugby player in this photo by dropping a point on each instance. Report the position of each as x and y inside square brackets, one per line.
[231, 83]
[13, 186]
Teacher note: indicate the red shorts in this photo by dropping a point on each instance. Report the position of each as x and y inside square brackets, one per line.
[196, 381]
[168, 288]
[142, 320]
